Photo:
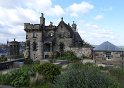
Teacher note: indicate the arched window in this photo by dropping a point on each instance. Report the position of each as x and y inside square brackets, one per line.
[27, 43]
[34, 46]
[61, 47]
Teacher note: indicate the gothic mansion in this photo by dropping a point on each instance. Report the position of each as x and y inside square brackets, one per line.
[42, 41]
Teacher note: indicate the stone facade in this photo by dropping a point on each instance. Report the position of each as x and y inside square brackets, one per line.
[13, 49]
[42, 41]
[81, 52]
[113, 55]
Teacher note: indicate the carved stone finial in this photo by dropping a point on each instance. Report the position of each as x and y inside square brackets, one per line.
[73, 22]
[62, 19]
[42, 14]
[68, 24]
[51, 23]
[14, 39]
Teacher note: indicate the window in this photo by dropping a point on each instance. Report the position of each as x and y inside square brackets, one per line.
[61, 47]
[34, 35]
[46, 56]
[51, 34]
[47, 47]
[61, 26]
[28, 43]
[34, 46]
[108, 55]
[26, 36]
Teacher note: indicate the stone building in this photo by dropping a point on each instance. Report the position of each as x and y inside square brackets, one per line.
[13, 49]
[42, 41]
[107, 52]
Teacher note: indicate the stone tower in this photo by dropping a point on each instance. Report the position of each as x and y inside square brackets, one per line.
[13, 48]
[74, 26]
[34, 39]
[42, 20]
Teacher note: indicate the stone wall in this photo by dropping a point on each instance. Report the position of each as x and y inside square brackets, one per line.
[80, 52]
[35, 55]
[102, 55]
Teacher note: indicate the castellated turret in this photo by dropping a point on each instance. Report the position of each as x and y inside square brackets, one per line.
[74, 26]
[42, 20]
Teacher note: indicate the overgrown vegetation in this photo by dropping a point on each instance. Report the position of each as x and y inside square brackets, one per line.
[3, 58]
[69, 56]
[22, 77]
[75, 75]
[84, 76]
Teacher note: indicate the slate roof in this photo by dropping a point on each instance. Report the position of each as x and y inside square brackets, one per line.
[107, 46]
[77, 37]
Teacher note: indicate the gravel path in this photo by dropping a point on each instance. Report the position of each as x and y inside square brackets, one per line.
[2, 86]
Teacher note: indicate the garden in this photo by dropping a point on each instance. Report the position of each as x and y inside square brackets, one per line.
[75, 75]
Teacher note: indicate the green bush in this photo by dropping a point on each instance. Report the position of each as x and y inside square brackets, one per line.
[49, 71]
[3, 58]
[19, 77]
[84, 76]
[68, 55]
[4, 79]
[28, 61]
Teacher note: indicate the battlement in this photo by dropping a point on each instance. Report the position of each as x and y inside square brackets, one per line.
[31, 26]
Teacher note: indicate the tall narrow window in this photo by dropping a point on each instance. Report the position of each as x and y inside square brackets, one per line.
[61, 47]
[34, 46]
[27, 43]
[26, 36]
[34, 35]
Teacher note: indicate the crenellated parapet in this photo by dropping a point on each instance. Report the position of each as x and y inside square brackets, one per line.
[30, 27]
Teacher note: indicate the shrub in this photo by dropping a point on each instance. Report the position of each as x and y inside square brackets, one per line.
[49, 71]
[28, 61]
[3, 58]
[84, 76]
[68, 55]
[19, 77]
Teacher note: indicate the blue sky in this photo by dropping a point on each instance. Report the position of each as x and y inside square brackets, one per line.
[97, 20]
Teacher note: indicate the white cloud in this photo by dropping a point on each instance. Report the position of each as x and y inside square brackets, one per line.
[55, 11]
[96, 34]
[78, 8]
[98, 17]
[13, 13]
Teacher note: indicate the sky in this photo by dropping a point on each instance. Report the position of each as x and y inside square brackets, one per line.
[97, 20]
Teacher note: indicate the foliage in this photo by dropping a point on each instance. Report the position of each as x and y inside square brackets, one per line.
[49, 71]
[117, 72]
[84, 76]
[28, 61]
[18, 78]
[3, 58]
[21, 55]
[68, 55]
[43, 85]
